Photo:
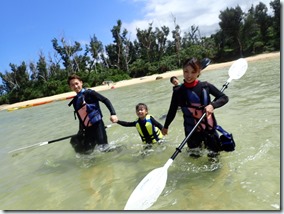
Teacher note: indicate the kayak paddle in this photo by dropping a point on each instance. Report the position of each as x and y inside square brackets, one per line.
[41, 144]
[150, 188]
[46, 142]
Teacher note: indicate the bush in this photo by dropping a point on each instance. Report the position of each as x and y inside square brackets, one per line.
[4, 99]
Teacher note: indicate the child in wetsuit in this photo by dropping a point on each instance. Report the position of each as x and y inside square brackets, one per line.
[148, 128]
[174, 80]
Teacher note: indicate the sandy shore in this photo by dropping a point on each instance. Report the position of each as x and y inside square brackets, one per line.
[112, 86]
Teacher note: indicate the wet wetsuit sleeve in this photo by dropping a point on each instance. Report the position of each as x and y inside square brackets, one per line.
[220, 98]
[156, 123]
[172, 110]
[126, 124]
[104, 100]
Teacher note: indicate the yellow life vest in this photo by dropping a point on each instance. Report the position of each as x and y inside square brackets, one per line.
[153, 132]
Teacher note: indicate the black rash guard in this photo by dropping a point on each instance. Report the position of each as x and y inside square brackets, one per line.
[91, 95]
[88, 137]
[142, 123]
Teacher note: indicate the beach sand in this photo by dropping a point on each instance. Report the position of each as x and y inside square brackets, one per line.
[112, 86]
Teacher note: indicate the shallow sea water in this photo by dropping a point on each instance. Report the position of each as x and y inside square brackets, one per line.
[51, 177]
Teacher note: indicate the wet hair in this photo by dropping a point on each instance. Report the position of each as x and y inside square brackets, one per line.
[193, 62]
[172, 78]
[73, 76]
[141, 104]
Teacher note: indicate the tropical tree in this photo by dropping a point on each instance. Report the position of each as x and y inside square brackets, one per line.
[176, 35]
[252, 42]
[231, 27]
[161, 39]
[241, 33]
[276, 6]
[146, 40]
[43, 74]
[263, 21]
[68, 54]
[96, 49]
[118, 52]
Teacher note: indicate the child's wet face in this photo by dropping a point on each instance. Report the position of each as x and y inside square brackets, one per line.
[141, 112]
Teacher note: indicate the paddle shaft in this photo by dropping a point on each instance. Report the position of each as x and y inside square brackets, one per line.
[63, 138]
[47, 142]
[59, 139]
[41, 144]
[178, 149]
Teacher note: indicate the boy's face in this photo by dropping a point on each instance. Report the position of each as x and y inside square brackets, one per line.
[76, 85]
[141, 112]
[175, 82]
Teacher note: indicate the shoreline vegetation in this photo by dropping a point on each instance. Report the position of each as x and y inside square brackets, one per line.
[123, 83]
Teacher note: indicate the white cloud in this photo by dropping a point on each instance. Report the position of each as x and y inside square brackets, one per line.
[201, 13]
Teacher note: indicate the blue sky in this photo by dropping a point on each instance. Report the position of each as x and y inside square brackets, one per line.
[28, 26]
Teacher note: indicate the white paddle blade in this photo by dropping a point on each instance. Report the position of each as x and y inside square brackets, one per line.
[238, 69]
[149, 189]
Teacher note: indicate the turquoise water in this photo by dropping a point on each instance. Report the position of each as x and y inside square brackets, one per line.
[51, 177]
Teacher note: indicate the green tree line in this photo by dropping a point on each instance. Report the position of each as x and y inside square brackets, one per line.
[155, 50]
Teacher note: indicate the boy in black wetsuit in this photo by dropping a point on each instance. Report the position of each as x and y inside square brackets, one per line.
[193, 96]
[91, 126]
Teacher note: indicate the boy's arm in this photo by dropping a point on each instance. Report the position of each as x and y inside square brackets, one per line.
[126, 124]
[105, 100]
[156, 123]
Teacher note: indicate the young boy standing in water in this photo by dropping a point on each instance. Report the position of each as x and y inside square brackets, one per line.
[174, 80]
[193, 96]
[148, 128]
[91, 126]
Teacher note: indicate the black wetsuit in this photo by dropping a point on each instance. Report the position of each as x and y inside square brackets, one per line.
[180, 99]
[89, 137]
[175, 87]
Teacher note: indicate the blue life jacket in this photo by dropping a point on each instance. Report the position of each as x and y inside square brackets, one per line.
[194, 109]
[88, 113]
